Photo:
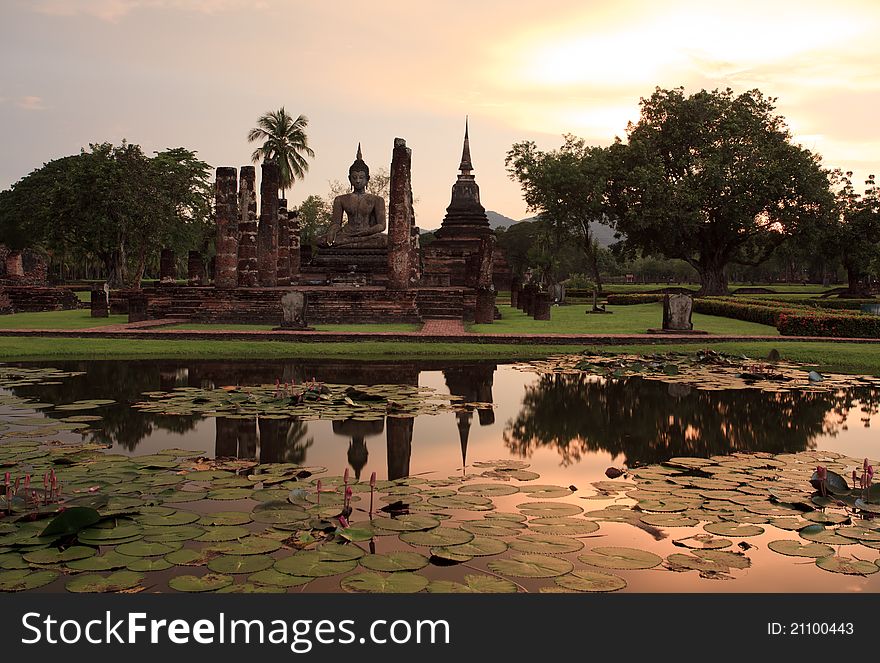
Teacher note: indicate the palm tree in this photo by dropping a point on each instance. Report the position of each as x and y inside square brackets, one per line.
[284, 141]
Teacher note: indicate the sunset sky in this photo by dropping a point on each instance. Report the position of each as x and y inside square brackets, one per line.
[198, 73]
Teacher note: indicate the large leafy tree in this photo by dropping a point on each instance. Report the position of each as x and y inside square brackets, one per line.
[566, 187]
[285, 142]
[855, 232]
[713, 179]
[111, 204]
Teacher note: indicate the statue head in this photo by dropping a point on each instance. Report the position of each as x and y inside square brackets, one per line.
[358, 166]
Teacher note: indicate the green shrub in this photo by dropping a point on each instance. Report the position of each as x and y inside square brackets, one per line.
[616, 299]
[831, 325]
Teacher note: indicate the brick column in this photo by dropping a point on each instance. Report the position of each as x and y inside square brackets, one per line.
[283, 244]
[247, 228]
[267, 232]
[400, 218]
[226, 211]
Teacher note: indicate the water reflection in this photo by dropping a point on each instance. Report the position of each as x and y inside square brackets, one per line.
[648, 422]
[570, 416]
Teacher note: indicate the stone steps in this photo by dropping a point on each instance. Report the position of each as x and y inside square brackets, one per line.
[440, 304]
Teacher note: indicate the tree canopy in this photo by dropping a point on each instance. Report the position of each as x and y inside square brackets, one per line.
[285, 142]
[112, 204]
[712, 178]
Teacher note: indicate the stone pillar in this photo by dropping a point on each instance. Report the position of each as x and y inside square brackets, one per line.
[167, 267]
[247, 228]
[416, 255]
[226, 212]
[541, 306]
[400, 217]
[267, 232]
[283, 269]
[14, 265]
[294, 228]
[195, 268]
[399, 433]
[137, 307]
[514, 293]
[526, 298]
[485, 310]
[100, 303]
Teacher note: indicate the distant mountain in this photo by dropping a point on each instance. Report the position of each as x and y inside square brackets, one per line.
[603, 234]
[497, 220]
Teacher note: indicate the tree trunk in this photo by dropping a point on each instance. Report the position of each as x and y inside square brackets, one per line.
[141, 266]
[115, 264]
[591, 248]
[856, 283]
[713, 280]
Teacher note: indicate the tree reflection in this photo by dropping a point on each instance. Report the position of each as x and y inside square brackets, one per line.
[649, 422]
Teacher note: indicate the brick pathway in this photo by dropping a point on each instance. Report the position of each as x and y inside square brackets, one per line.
[442, 328]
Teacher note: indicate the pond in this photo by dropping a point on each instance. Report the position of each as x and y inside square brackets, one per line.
[487, 477]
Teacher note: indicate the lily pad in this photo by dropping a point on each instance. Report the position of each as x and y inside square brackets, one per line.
[276, 578]
[240, 563]
[20, 580]
[145, 564]
[374, 583]
[54, 556]
[395, 561]
[144, 549]
[473, 584]
[621, 558]
[313, 565]
[410, 523]
[531, 566]
[210, 582]
[250, 545]
[115, 582]
[733, 529]
[798, 549]
[479, 546]
[584, 580]
[437, 537]
[549, 509]
[488, 489]
[546, 544]
[847, 565]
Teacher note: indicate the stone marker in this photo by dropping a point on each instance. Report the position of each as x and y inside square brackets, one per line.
[167, 267]
[137, 307]
[293, 310]
[677, 311]
[226, 212]
[100, 303]
[267, 232]
[247, 228]
[401, 217]
[541, 306]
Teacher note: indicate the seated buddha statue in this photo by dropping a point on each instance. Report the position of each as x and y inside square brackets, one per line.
[364, 211]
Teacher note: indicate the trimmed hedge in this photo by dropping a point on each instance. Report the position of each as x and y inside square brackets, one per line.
[616, 299]
[749, 311]
[832, 325]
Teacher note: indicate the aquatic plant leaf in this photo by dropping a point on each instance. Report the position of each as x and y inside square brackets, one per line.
[531, 566]
[225, 518]
[54, 556]
[798, 549]
[473, 584]
[583, 580]
[437, 537]
[549, 509]
[209, 582]
[312, 564]
[71, 521]
[223, 533]
[147, 564]
[403, 582]
[234, 564]
[109, 561]
[733, 529]
[546, 544]
[409, 523]
[249, 545]
[145, 549]
[115, 582]
[21, 580]
[275, 578]
[847, 565]
[486, 490]
[620, 558]
[394, 561]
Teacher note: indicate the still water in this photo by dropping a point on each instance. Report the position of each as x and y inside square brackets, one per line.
[569, 428]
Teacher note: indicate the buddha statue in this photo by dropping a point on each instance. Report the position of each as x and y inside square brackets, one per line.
[365, 213]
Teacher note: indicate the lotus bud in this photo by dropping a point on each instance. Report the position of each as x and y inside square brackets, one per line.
[348, 493]
[6, 479]
[855, 477]
[27, 481]
[343, 521]
[345, 477]
[870, 475]
[17, 480]
[865, 465]
[373, 480]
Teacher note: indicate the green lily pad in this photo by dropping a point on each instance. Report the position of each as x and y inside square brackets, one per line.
[250, 545]
[144, 549]
[546, 544]
[145, 564]
[312, 564]
[226, 518]
[230, 494]
[668, 520]
[403, 582]
[223, 533]
[485, 528]
[20, 580]
[409, 523]
[479, 546]
[240, 563]
[109, 561]
[620, 558]
[733, 529]
[71, 521]
[115, 582]
[277, 579]
[250, 588]
[703, 542]
[531, 566]
[549, 509]
[488, 489]
[847, 565]
[210, 582]
[54, 556]
[798, 549]
[469, 502]
[563, 526]
[437, 537]
[473, 584]
[173, 533]
[178, 518]
[395, 561]
[189, 557]
[819, 534]
[584, 580]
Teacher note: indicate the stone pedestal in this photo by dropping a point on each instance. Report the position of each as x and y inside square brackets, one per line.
[514, 293]
[400, 218]
[293, 310]
[195, 268]
[541, 306]
[100, 302]
[137, 307]
[167, 267]
[247, 228]
[267, 232]
[226, 212]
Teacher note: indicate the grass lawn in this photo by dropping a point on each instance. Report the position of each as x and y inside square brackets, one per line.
[840, 357]
[378, 327]
[636, 319]
[75, 319]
